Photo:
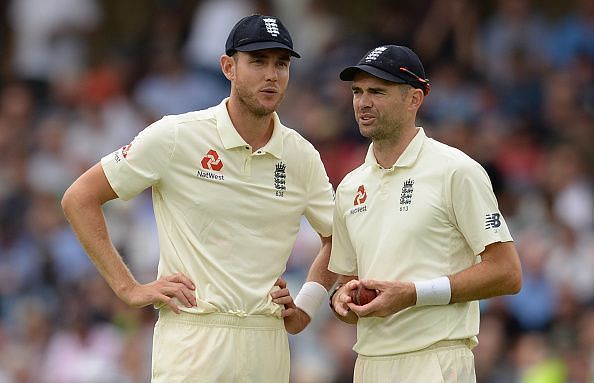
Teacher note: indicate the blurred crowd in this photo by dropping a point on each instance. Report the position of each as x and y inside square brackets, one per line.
[512, 86]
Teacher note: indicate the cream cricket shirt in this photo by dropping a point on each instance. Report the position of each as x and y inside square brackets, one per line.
[429, 215]
[226, 217]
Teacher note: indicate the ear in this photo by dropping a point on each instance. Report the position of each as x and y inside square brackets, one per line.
[416, 99]
[228, 67]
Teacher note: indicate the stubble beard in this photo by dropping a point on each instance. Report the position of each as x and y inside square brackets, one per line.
[383, 130]
[249, 100]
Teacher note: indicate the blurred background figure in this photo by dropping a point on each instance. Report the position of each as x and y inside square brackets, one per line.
[512, 86]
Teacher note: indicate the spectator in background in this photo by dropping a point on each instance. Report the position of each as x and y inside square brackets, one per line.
[50, 37]
[534, 307]
[571, 35]
[514, 27]
[171, 88]
[210, 24]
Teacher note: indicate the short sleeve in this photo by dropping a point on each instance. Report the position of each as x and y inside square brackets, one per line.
[318, 210]
[141, 164]
[475, 211]
[343, 259]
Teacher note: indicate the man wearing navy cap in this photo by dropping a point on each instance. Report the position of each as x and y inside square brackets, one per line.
[229, 186]
[418, 223]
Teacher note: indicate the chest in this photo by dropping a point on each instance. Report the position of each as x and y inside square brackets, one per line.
[219, 181]
[403, 204]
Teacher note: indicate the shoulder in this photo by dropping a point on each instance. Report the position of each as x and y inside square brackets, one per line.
[298, 148]
[453, 159]
[293, 140]
[191, 119]
[458, 169]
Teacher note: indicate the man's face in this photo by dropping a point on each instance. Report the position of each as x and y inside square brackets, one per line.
[261, 79]
[381, 107]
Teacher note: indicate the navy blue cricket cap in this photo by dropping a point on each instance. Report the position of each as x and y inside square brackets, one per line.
[393, 63]
[257, 32]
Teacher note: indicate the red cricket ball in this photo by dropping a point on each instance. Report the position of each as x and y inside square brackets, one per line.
[362, 295]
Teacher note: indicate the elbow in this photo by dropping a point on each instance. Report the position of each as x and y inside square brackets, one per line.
[517, 285]
[511, 270]
[514, 280]
[71, 202]
[513, 287]
[67, 202]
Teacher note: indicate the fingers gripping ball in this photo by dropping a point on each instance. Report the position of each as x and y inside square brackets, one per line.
[362, 295]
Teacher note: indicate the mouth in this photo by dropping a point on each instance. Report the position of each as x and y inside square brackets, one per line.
[269, 91]
[366, 118]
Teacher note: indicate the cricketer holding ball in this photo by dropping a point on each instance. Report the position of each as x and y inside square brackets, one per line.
[414, 222]
[229, 187]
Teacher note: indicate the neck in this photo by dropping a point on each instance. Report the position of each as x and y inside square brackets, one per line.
[254, 129]
[387, 151]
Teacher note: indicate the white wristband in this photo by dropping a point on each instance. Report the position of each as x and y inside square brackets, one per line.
[433, 292]
[310, 297]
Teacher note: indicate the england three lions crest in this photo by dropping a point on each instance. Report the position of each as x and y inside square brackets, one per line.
[280, 179]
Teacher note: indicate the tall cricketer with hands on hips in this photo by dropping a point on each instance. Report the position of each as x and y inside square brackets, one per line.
[419, 223]
[229, 187]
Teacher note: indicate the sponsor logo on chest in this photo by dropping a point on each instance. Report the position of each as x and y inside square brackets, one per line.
[359, 201]
[211, 166]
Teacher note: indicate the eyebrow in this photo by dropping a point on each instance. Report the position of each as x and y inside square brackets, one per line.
[260, 54]
[371, 89]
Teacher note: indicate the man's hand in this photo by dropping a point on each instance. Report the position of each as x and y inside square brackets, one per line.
[341, 301]
[295, 318]
[342, 298]
[394, 296]
[163, 290]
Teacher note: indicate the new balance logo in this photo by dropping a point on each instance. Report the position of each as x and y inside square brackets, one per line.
[271, 26]
[374, 54]
[211, 161]
[492, 221]
[361, 196]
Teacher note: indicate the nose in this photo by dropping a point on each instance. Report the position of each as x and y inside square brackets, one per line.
[271, 73]
[363, 100]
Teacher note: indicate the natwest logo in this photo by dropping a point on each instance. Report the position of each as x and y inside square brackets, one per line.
[211, 161]
[125, 149]
[361, 195]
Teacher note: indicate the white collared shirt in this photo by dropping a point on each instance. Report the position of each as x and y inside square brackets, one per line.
[226, 217]
[429, 215]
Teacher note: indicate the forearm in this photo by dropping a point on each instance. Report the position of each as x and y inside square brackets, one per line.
[88, 222]
[314, 291]
[499, 273]
[318, 272]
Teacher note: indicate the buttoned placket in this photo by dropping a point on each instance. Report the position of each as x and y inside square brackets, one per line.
[385, 176]
[246, 169]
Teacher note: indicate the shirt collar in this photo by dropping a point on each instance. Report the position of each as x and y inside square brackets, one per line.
[231, 138]
[408, 157]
